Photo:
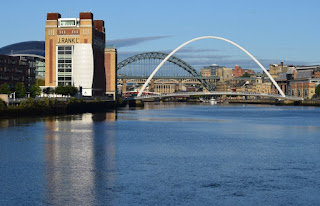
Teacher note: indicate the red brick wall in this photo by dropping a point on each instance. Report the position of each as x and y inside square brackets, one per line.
[238, 72]
[53, 16]
[108, 70]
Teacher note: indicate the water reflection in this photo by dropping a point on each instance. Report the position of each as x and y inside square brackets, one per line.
[80, 159]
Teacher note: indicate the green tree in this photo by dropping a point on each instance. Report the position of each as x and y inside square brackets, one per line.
[48, 90]
[20, 90]
[246, 75]
[4, 89]
[35, 90]
[61, 90]
[66, 90]
[72, 91]
[318, 90]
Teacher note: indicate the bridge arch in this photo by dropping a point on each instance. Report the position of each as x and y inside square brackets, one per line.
[210, 37]
[160, 55]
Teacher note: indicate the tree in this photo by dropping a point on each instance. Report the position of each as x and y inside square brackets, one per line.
[20, 90]
[72, 91]
[4, 89]
[66, 90]
[35, 90]
[48, 90]
[318, 90]
[61, 90]
[246, 75]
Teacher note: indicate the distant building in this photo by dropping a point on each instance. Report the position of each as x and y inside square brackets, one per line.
[224, 73]
[111, 72]
[31, 52]
[165, 88]
[74, 53]
[14, 70]
[239, 72]
[262, 86]
[275, 69]
[299, 81]
[211, 70]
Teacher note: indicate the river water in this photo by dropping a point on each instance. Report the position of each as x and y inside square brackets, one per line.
[164, 154]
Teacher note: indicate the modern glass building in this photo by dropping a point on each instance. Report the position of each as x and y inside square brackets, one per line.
[30, 51]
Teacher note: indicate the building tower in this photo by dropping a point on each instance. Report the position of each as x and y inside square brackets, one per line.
[110, 65]
[74, 53]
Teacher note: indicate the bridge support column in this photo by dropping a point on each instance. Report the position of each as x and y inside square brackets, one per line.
[124, 86]
[180, 85]
[152, 86]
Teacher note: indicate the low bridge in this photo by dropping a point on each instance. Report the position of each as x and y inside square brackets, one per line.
[216, 93]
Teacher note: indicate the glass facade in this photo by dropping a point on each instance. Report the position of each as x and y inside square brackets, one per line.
[40, 68]
[65, 54]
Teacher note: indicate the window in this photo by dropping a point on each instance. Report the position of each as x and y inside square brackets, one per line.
[67, 23]
[65, 65]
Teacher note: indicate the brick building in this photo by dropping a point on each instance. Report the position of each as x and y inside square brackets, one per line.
[14, 70]
[239, 72]
[74, 53]
[299, 82]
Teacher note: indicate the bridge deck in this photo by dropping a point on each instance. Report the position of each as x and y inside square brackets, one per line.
[214, 93]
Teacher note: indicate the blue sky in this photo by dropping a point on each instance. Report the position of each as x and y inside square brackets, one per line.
[271, 30]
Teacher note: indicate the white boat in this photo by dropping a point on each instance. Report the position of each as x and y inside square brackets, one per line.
[211, 101]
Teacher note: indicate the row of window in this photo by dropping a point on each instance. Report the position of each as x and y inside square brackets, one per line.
[64, 78]
[64, 84]
[7, 69]
[14, 78]
[65, 48]
[299, 94]
[65, 65]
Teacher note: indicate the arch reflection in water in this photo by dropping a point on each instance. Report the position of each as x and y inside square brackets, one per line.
[80, 159]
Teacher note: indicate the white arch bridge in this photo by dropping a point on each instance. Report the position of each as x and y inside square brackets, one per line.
[211, 37]
[215, 93]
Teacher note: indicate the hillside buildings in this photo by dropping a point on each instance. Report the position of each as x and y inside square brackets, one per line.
[299, 81]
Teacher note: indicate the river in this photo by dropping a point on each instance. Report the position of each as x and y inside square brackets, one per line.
[164, 154]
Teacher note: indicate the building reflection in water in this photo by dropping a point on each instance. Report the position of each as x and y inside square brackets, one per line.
[80, 159]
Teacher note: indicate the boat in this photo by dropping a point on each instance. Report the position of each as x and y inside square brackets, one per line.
[211, 101]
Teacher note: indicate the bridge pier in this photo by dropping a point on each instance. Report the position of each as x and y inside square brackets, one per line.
[135, 103]
[152, 86]
[124, 86]
[180, 85]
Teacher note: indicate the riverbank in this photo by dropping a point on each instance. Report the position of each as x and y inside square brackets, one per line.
[275, 102]
[45, 106]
